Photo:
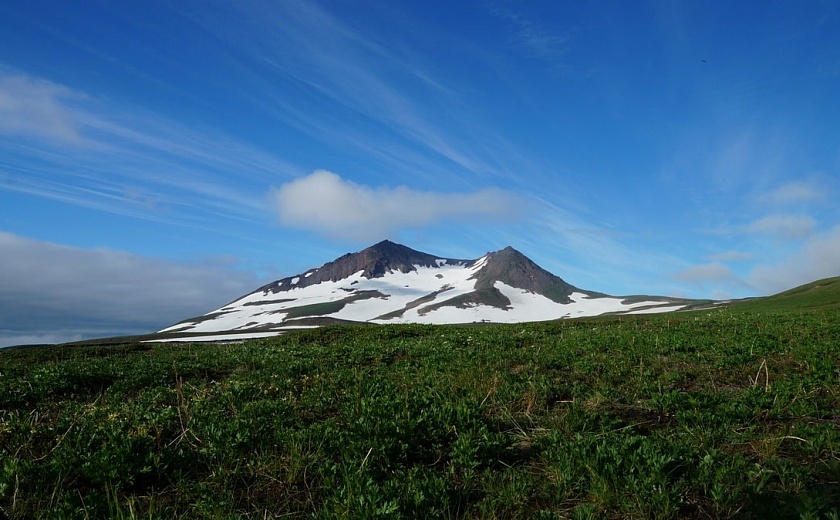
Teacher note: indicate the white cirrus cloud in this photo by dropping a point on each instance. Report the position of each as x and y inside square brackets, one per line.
[778, 227]
[337, 208]
[712, 272]
[67, 146]
[795, 192]
[785, 227]
[35, 107]
[731, 256]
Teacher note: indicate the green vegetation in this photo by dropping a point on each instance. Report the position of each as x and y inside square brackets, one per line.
[715, 414]
[320, 309]
[822, 294]
[484, 296]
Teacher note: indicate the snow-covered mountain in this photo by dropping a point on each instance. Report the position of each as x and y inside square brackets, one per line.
[391, 283]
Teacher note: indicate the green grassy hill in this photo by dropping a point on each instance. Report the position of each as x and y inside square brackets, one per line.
[822, 294]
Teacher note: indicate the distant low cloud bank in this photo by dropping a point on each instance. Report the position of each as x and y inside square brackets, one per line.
[53, 293]
[325, 203]
[817, 258]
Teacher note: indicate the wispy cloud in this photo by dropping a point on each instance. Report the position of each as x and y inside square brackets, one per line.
[713, 272]
[784, 227]
[390, 90]
[735, 159]
[56, 293]
[592, 252]
[777, 227]
[126, 161]
[716, 280]
[795, 192]
[534, 38]
[34, 107]
[731, 256]
[341, 209]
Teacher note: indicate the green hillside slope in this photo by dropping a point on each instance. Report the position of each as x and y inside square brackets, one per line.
[822, 294]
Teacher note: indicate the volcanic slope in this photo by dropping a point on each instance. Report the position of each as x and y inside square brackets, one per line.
[392, 283]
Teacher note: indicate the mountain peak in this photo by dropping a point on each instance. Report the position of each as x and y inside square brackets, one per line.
[512, 268]
[509, 251]
[388, 248]
[387, 256]
[373, 262]
[385, 243]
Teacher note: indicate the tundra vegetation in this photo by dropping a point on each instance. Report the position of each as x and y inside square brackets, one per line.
[733, 412]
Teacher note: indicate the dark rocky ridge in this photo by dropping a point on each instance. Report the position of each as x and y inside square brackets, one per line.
[374, 262]
[512, 268]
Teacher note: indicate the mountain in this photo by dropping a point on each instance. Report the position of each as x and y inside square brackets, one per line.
[373, 262]
[392, 283]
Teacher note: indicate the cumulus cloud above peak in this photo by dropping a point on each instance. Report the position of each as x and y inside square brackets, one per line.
[337, 208]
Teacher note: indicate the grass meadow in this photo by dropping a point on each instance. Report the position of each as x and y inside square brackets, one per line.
[730, 413]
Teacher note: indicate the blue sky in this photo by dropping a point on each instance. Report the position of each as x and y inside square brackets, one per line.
[159, 159]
